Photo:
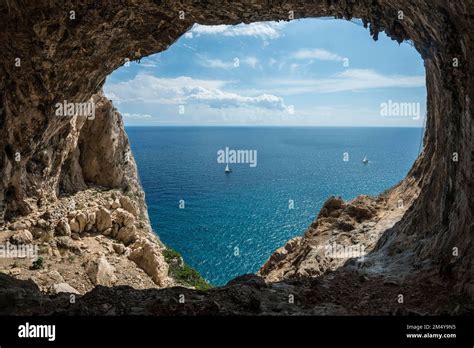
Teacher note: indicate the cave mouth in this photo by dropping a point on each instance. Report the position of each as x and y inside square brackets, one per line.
[69, 59]
[232, 225]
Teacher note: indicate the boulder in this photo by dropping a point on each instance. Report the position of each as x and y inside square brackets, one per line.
[91, 220]
[62, 228]
[63, 287]
[15, 271]
[18, 225]
[81, 219]
[103, 219]
[129, 205]
[46, 215]
[68, 243]
[149, 258]
[74, 226]
[127, 234]
[123, 217]
[100, 272]
[330, 206]
[115, 204]
[21, 237]
[119, 248]
[41, 223]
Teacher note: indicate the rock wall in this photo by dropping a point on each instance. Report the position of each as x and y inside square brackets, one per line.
[54, 51]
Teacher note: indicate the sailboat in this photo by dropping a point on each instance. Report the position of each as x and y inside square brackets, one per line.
[365, 160]
[227, 170]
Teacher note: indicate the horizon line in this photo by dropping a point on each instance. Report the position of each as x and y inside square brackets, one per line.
[267, 126]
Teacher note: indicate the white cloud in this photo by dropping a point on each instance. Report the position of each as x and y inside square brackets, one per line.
[215, 63]
[148, 89]
[367, 78]
[318, 54]
[219, 99]
[262, 30]
[198, 30]
[348, 80]
[151, 89]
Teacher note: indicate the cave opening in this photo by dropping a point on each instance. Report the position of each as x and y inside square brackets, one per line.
[427, 254]
[326, 110]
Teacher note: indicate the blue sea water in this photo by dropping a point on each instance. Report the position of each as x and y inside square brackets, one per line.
[232, 223]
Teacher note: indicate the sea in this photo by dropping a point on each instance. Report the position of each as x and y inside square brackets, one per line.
[228, 224]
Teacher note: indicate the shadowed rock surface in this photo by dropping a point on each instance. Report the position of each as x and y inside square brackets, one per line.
[422, 250]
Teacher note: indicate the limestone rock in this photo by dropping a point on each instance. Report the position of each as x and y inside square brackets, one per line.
[81, 219]
[123, 217]
[63, 287]
[148, 257]
[108, 232]
[129, 205]
[91, 220]
[15, 271]
[119, 248]
[127, 234]
[331, 205]
[115, 204]
[103, 219]
[42, 224]
[74, 226]
[63, 228]
[100, 272]
[68, 243]
[18, 225]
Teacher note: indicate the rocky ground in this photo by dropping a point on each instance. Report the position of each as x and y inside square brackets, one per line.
[95, 237]
[347, 291]
[342, 231]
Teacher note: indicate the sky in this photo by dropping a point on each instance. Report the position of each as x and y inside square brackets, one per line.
[308, 72]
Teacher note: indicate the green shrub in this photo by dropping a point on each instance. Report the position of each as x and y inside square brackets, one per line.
[37, 264]
[171, 255]
[182, 273]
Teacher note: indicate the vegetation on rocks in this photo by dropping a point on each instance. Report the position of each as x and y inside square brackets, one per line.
[182, 273]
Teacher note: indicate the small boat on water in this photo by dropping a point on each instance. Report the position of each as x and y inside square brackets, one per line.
[365, 160]
[227, 170]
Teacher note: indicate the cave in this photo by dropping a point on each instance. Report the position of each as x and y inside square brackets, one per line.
[55, 51]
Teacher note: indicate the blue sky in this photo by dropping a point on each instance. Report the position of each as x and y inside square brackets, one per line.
[309, 72]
